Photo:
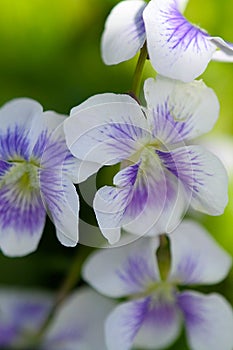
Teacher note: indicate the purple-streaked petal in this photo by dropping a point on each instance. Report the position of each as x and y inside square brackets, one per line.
[146, 200]
[225, 54]
[203, 176]
[124, 322]
[161, 326]
[21, 312]
[59, 194]
[166, 212]
[208, 319]
[177, 49]
[124, 32]
[139, 189]
[124, 270]
[196, 257]
[22, 214]
[62, 202]
[52, 150]
[107, 132]
[79, 324]
[20, 124]
[179, 111]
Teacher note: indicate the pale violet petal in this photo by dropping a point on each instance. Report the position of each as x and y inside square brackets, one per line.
[220, 56]
[62, 202]
[124, 322]
[53, 121]
[225, 53]
[179, 111]
[177, 49]
[208, 319]
[196, 257]
[124, 270]
[80, 170]
[79, 323]
[107, 133]
[203, 176]
[109, 205]
[161, 326]
[124, 32]
[21, 311]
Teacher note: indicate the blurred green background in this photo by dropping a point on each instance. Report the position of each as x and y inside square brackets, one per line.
[50, 51]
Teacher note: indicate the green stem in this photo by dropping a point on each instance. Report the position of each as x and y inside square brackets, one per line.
[138, 71]
[164, 257]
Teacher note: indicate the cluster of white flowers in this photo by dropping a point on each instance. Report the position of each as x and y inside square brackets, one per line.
[162, 173]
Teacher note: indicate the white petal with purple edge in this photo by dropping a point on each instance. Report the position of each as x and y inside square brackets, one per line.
[82, 329]
[124, 270]
[196, 256]
[177, 49]
[62, 201]
[161, 326]
[124, 322]
[80, 170]
[107, 133]
[124, 32]
[208, 320]
[203, 176]
[179, 111]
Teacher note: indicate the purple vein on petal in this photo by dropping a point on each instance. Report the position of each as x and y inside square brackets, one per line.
[182, 33]
[14, 143]
[136, 273]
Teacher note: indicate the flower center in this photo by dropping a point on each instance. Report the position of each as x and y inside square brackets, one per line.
[22, 173]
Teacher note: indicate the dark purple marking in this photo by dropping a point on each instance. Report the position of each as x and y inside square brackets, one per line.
[23, 213]
[192, 307]
[186, 165]
[4, 167]
[123, 136]
[138, 190]
[162, 314]
[168, 130]
[133, 321]
[136, 273]
[31, 311]
[8, 334]
[14, 143]
[182, 33]
[138, 33]
[22, 209]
